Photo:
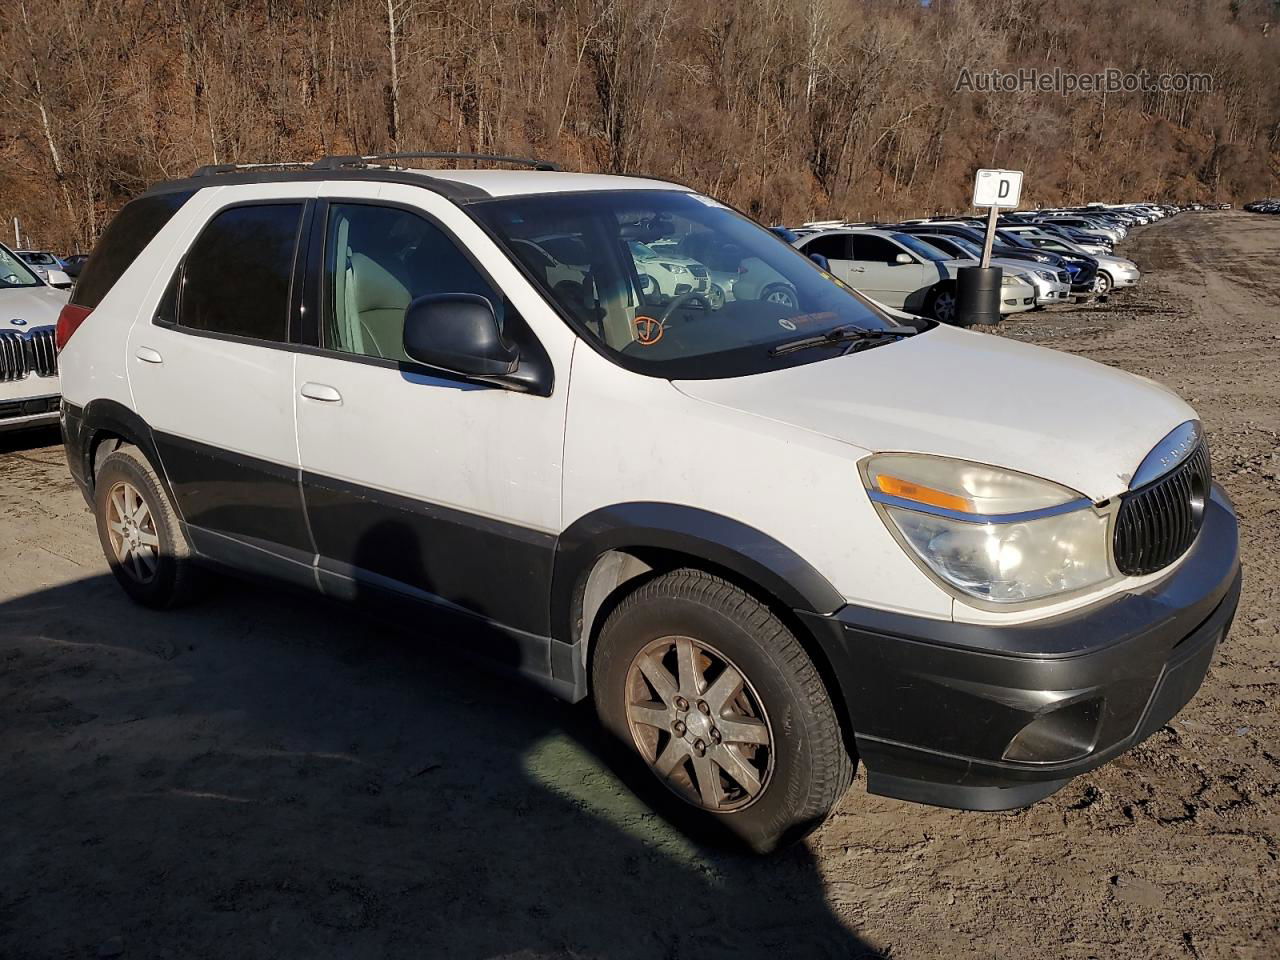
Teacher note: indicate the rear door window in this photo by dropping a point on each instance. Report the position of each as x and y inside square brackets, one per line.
[237, 275]
[133, 228]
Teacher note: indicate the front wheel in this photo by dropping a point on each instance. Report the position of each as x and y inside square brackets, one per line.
[725, 708]
[1102, 285]
[942, 305]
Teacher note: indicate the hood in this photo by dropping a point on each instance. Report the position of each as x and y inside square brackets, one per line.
[972, 396]
[39, 306]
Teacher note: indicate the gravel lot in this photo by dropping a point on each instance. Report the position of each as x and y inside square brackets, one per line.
[265, 775]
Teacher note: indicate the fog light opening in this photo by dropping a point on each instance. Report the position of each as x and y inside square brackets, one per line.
[1067, 733]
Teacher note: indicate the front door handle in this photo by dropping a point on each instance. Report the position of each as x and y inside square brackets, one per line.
[321, 391]
[147, 355]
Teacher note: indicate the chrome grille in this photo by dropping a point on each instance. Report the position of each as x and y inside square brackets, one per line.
[14, 364]
[44, 355]
[1064, 277]
[1158, 523]
[23, 353]
[697, 270]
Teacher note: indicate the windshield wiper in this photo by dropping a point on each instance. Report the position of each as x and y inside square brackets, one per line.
[838, 335]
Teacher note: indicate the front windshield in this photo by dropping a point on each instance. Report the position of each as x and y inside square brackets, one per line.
[40, 259]
[15, 273]
[674, 284]
[920, 248]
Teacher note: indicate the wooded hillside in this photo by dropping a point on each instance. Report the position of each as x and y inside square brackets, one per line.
[790, 109]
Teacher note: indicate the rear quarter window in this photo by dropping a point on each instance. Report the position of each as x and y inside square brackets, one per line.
[133, 228]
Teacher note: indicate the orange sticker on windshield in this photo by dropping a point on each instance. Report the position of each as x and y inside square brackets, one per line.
[648, 330]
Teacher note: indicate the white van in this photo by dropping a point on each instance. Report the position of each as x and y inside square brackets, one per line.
[769, 541]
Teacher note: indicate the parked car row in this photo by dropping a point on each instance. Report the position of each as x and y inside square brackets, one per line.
[1269, 205]
[1046, 257]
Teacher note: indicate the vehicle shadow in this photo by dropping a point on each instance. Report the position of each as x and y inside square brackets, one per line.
[269, 774]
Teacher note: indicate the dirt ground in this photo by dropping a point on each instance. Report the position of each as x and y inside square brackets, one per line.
[266, 775]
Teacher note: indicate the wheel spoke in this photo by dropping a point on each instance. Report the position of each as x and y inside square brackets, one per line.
[737, 769]
[691, 682]
[708, 778]
[148, 539]
[116, 528]
[743, 730]
[664, 685]
[117, 503]
[148, 559]
[652, 715]
[724, 689]
[675, 752]
[136, 559]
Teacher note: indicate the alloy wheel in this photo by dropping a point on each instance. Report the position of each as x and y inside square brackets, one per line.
[132, 532]
[944, 307]
[699, 723]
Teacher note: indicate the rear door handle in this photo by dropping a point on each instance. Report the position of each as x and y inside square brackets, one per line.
[321, 391]
[147, 355]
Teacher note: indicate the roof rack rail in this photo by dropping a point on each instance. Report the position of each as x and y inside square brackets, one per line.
[213, 169]
[338, 161]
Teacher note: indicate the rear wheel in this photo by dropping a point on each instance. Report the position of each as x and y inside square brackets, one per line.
[139, 532]
[782, 294]
[723, 706]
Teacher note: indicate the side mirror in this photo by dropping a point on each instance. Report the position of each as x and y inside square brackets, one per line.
[821, 261]
[57, 278]
[458, 332]
[902, 258]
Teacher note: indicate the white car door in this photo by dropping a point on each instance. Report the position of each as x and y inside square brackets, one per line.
[417, 482]
[882, 277]
[211, 373]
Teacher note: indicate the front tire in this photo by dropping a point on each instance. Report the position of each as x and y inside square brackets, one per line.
[140, 534]
[1102, 285]
[942, 304]
[724, 707]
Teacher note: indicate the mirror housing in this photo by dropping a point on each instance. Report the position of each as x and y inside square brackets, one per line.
[821, 261]
[902, 258]
[458, 332]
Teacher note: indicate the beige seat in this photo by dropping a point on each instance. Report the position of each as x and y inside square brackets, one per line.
[377, 299]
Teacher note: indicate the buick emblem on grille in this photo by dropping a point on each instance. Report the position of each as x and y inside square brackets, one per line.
[1177, 445]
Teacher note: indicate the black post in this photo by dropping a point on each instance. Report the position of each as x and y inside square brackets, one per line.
[978, 300]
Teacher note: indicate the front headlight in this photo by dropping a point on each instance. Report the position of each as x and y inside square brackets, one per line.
[1046, 275]
[1009, 280]
[675, 268]
[992, 534]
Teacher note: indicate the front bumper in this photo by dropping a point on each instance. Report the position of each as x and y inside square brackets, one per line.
[995, 717]
[27, 412]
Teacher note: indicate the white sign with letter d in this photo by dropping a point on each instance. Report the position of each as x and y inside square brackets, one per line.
[997, 188]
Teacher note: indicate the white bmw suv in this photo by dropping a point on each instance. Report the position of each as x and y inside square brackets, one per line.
[28, 358]
[768, 540]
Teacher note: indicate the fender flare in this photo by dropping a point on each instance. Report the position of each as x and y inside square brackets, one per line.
[110, 416]
[729, 544]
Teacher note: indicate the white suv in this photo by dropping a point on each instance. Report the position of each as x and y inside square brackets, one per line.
[768, 540]
[28, 357]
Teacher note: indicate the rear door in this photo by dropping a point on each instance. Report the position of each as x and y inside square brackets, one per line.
[835, 248]
[211, 372]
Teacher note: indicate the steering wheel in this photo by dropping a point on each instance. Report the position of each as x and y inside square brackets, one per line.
[680, 301]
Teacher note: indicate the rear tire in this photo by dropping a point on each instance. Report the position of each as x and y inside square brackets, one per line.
[706, 688]
[140, 534]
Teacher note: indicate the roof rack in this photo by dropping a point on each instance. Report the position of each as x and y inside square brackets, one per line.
[339, 161]
[213, 169]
